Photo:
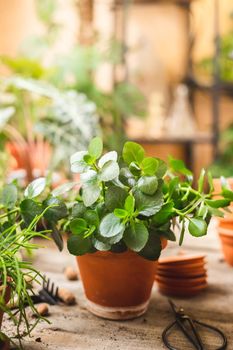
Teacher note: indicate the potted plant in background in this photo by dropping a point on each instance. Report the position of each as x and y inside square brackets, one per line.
[17, 230]
[223, 166]
[122, 217]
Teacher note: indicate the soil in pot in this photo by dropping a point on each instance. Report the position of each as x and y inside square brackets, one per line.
[117, 286]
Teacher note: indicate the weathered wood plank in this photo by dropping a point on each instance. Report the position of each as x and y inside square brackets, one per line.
[75, 328]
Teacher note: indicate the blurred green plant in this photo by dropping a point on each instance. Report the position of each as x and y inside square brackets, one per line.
[223, 166]
[65, 119]
[77, 70]
[206, 66]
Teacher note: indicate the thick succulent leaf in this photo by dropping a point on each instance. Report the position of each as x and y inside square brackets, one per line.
[90, 194]
[133, 152]
[148, 205]
[148, 184]
[78, 245]
[107, 157]
[57, 211]
[136, 236]
[197, 227]
[152, 249]
[35, 188]
[8, 196]
[95, 148]
[109, 171]
[111, 226]
[78, 165]
[115, 197]
[149, 166]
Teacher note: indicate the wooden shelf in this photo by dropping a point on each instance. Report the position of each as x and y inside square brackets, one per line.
[224, 87]
[199, 137]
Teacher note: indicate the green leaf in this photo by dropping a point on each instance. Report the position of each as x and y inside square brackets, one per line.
[152, 249]
[110, 226]
[129, 204]
[78, 165]
[89, 159]
[95, 148]
[133, 152]
[78, 210]
[216, 212]
[136, 236]
[164, 214]
[126, 177]
[89, 177]
[29, 209]
[66, 187]
[109, 171]
[135, 169]
[92, 217]
[78, 245]
[107, 157]
[120, 213]
[35, 188]
[148, 184]
[197, 227]
[218, 203]
[90, 194]
[227, 194]
[210, 181]
[168, 234]
[101, 246]
[148, 205]
[9, 196]
[78, 226]
[58, 210]
[178, 166]
[201, 181]
[149, 166]
[115, 197]
[162, 168]
[119, 247]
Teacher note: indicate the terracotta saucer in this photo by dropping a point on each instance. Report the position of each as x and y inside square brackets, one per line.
[181, 292]
[183, 274]
[181, 283]
[181, 268]
[181, 259]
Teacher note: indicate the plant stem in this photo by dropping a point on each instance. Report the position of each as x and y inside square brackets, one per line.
[9, 213]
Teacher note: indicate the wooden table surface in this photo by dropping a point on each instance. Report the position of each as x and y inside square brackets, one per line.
[73, 327]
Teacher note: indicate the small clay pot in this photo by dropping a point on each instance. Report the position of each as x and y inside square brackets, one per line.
[117, 286]
[226, 237]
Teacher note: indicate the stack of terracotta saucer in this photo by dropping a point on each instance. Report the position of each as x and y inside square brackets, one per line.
[182, 275]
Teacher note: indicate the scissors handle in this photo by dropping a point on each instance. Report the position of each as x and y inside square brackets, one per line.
[198, 345]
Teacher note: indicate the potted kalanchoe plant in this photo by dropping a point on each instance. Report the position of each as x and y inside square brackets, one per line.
[122, 217]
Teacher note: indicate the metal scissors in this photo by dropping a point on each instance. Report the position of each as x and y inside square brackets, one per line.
[188, 326]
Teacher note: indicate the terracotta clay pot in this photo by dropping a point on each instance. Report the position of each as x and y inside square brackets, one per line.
[226, 237]
[117, 286]
[227, 221]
